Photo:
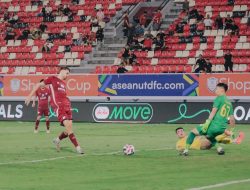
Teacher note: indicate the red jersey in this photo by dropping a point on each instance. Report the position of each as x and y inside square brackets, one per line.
[157, 17]
[143, 19]
[43, 97]
[58, 91]
[148, 43]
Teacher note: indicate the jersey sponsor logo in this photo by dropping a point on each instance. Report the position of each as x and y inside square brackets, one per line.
[123, 112]
[211, 83]
[15, 85]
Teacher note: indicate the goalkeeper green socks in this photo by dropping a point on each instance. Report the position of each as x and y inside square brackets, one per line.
[190, 140]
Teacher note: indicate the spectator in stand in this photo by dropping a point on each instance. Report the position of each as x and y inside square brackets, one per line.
[100, 15]
[126, 24]
[208, 66]
[75, 2]
[35, 33]
[143, 19]
[193, 14]
[48, 17]
[94, 22]
[36, 2]
[139, 31]
[230, 2]
[14, 19]
[70, 17]
[60, 10]
[185, 6]
[64, 32]
[135, 45]
[48, 10]
[43, 12]
[6, 15]
[208, 22]
[159, 43]
[25, 35]
[234, 29]
[132, 58]
[219, 23]
[228, 22]
[148, 34]
[162, 35]
[99, 35]
[82, 40]
[179, 29]
[10, 34]
[228, 61]
[201, 62]
[47, 46]
[126, 53]
[147, 44]
[66, 10]
[43, 27]
[157, 19]
[130, 33]
[122, 69]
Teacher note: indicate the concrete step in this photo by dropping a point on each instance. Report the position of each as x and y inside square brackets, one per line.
[109, 34]
[115, 41]
[101, 61]
[112, 53]
[109, 29]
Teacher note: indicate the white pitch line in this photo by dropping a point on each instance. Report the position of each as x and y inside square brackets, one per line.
[221, 184]
[73, 156]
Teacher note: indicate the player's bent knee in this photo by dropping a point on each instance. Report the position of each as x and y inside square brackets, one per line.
[68, 126]
[195, 131]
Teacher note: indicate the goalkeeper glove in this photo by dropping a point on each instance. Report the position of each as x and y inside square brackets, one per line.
[205, 125]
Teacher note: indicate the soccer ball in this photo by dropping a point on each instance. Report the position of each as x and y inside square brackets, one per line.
[128, 149]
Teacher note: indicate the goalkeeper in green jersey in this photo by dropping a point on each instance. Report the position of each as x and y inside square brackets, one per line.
[217, 122]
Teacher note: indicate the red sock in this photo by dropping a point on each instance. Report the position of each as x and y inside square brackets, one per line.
[73, 139]
[63, 136]
[47, 125]
[37, 124]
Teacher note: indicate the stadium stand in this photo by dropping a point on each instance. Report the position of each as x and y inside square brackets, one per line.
[199, 31]
[38, 36]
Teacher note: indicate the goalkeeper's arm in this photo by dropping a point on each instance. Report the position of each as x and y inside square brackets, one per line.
[208, 121]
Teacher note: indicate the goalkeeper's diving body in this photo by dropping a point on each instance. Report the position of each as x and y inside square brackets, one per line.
[217, 123]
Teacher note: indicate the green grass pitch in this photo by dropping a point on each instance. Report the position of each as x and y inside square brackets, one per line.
[155, 166]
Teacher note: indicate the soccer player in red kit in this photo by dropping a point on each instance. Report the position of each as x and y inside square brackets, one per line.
[42, 94]
[61, 106]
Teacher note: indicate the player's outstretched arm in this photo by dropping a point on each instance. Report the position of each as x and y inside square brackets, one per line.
[208, 121]
[34, 102]
[36, 87]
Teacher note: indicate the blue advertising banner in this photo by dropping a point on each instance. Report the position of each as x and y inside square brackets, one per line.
[148, 85]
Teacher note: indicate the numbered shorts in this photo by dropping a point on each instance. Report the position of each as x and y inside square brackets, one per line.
[43, 111]
[64, 113]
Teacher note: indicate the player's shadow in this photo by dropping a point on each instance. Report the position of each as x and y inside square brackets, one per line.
[64, 149]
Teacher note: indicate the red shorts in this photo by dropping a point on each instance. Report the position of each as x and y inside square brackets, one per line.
[43, 111]
[64, 113]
